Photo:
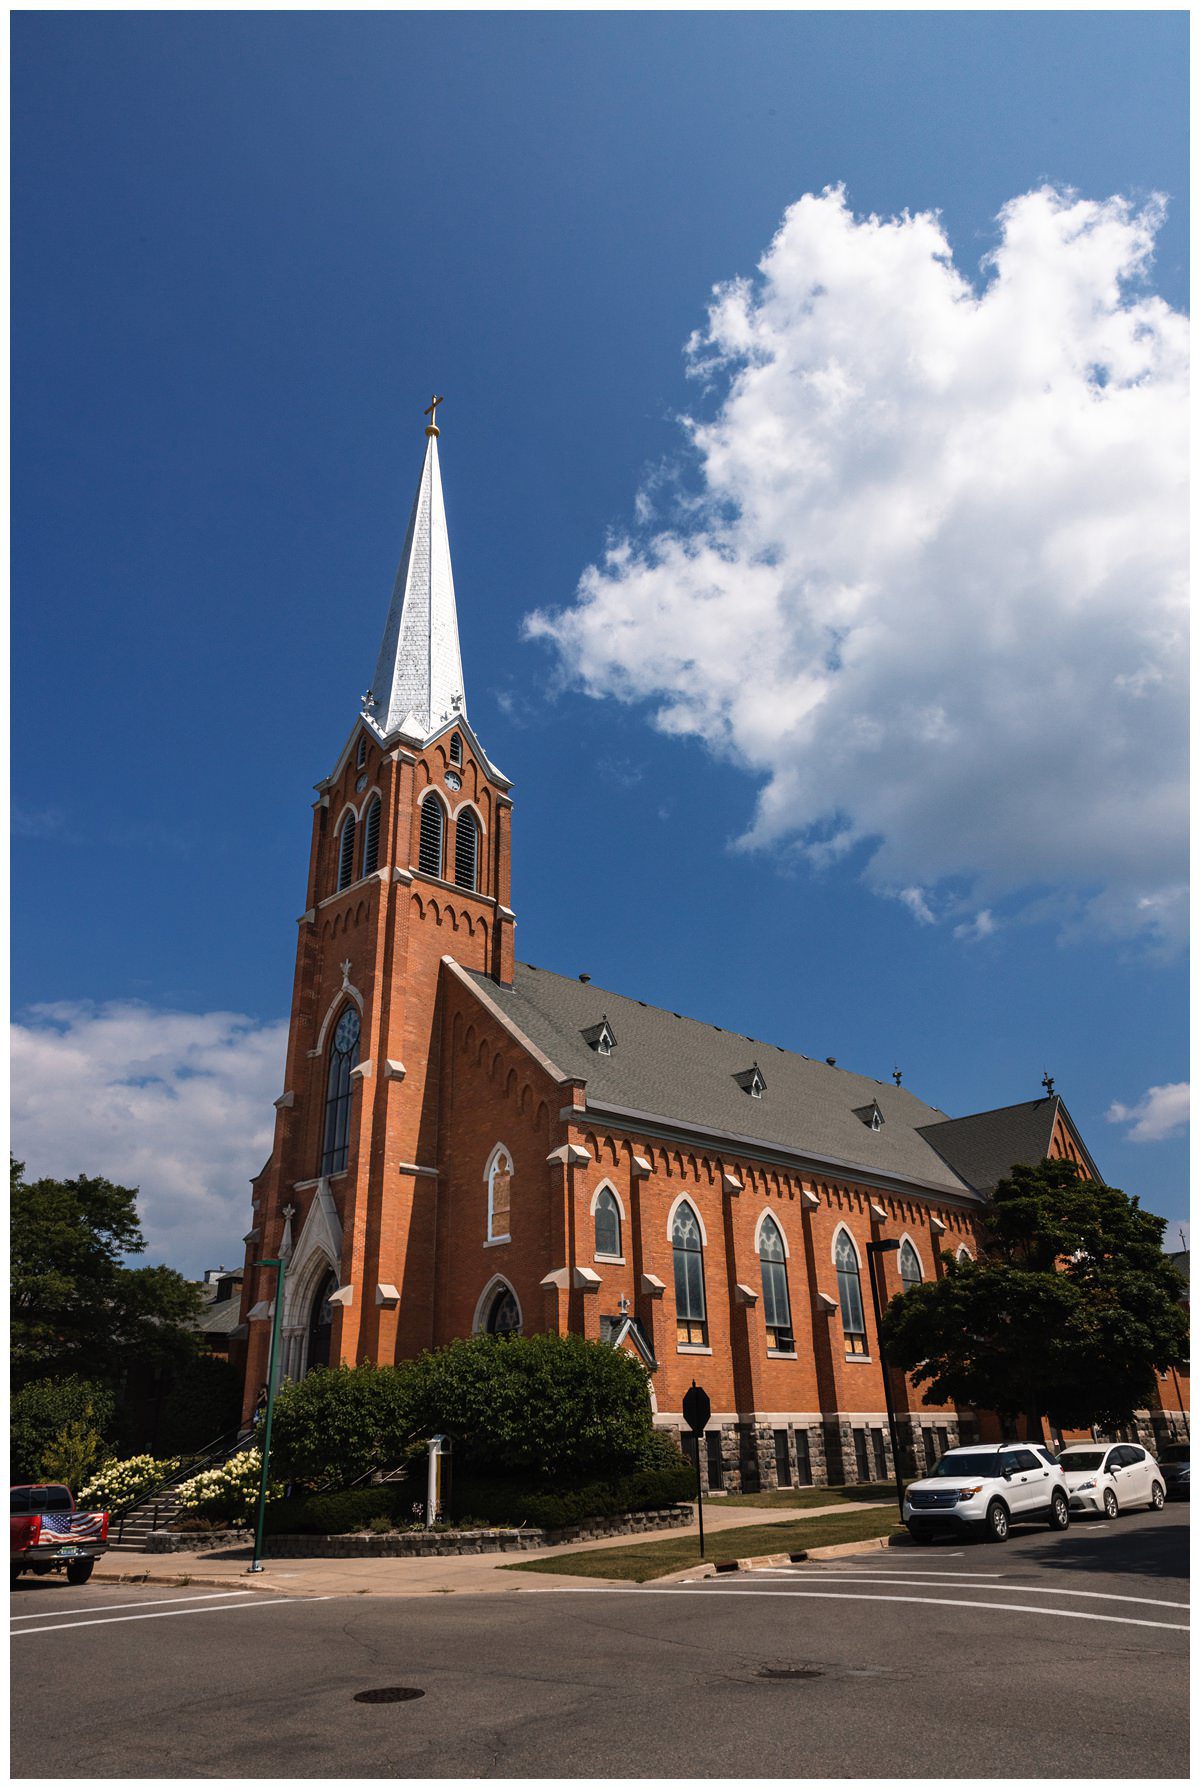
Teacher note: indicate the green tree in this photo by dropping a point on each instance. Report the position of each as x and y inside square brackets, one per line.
[546, 1408]
[1070, 1311]
[340, 1423]
[76, 1306]
[73, 1456]
[41, 1410]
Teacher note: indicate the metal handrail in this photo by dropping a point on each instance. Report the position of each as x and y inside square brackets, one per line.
[220, 1449]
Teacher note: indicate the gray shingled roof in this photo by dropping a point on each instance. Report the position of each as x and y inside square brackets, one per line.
[684, 1070]
[985, 1147]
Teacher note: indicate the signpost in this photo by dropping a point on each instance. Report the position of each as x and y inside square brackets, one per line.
[696, 1411]
[280, 1268]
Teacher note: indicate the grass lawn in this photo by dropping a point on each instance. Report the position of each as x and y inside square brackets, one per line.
[653, 1559]
[808, 1497]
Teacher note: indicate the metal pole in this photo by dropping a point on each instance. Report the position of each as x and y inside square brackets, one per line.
[699, 1491]
[887, 1386]
[276, 1321]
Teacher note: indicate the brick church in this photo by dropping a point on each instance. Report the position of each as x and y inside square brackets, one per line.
[466, 1143]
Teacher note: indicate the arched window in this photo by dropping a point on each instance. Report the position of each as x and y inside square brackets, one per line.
[343, 1056]
[371, 838]
[466, 849]
[607, 1220]
[362, 751]
[850, 1294]
[320, 1324]
[503, 1313]
[964, 1253]
[346, 852]
[456, 748]
[688, 1251]
[499, 1185]
[910, 1266]
[777, 1310]
[433, 824]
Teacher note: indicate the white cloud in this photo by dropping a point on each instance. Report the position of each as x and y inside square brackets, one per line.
[178, 1104]
[918, 906]
[934, 591]
[973, 930]
[1161, 1112]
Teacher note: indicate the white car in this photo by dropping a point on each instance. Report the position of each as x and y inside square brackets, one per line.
[1104, 1478]
[983, 1490]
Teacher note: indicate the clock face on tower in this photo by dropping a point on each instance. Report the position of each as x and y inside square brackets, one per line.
[346, 1035]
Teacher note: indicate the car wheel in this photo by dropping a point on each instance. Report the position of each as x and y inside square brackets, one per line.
[1157, 1496]
[996, 1525]
[1060, 1512]
[1111, 1506]
[79, 1571]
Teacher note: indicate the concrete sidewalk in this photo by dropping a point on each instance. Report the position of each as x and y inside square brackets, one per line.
[471, 1573]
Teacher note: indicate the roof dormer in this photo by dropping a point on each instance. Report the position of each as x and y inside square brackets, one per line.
[601, 1038]
[751, 1081]
[870, 1115]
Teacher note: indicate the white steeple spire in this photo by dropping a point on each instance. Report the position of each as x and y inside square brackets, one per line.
[418, 683]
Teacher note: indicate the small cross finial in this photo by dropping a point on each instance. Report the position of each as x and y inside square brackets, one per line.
[1047, 1083]
[368, 700]
[623, 1305]
[431, 413]
[896, 1076]
[289, 1212]
[346, 973]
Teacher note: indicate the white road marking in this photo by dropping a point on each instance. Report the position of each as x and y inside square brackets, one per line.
[1104, 1596]
[209, 1596]
[849, 1596]
[163, 1614]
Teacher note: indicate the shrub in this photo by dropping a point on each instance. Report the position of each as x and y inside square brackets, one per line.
[552, 1409]
[42, 1410]
[512, 1503]
[228, 1491]
[204, 1401]
[340, 1422]
[73, 1455]
[122, 1482]
[337, 1512]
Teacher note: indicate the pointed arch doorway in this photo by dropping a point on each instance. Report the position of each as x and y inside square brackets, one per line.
[320, 1324]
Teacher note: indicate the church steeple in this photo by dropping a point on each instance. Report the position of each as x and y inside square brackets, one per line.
[418, 682]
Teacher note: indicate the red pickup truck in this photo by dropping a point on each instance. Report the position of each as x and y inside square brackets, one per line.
[47, 1532]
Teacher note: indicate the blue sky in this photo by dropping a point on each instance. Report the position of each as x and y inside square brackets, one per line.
[246, 247]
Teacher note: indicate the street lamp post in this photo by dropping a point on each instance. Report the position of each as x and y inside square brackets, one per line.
[277, 1263]
[886, 1247]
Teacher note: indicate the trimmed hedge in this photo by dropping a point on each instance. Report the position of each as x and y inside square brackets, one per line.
[338, 1512]
[510, 1504]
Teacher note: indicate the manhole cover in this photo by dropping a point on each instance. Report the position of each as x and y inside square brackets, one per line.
[393, 1695]
[786, 1673]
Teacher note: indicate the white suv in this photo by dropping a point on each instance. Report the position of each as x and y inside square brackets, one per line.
[983, 1490]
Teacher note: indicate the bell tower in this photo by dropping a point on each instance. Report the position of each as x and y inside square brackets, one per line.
[409, 863]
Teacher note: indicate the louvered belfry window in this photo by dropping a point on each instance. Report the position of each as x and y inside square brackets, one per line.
[346, 855]
[456, 748]
[429, 854]
[466, 850]
[371, 838]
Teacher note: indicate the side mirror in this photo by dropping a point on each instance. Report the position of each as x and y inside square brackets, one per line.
[1008, 1469]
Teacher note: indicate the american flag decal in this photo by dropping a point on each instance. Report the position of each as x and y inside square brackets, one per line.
[81, 1527]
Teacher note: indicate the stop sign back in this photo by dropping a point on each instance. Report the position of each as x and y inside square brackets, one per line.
[696, 1409]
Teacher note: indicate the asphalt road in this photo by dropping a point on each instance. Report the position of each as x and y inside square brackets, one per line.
[1048, 1656]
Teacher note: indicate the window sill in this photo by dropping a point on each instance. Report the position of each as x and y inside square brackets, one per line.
[494, 1242]
[859, 1360]
[613, 1260]
[782, 1354]
[691, 1348]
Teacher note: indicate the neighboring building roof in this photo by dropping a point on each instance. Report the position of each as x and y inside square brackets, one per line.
[985, 1147]
[219, 1319]
[670, 1068]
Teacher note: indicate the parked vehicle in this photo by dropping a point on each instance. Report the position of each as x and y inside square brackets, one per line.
[48, 1534]
[1175, 1462]
[984, 1490]
[1104, 1478]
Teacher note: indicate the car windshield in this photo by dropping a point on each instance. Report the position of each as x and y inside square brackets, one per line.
[1179, 1453]
[967, 1466]
[1082, 1462]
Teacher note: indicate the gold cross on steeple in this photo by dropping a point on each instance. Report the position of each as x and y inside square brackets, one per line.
[431, 413]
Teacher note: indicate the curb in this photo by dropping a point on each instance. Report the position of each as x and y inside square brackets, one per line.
[175, 1580]
[838, 1550]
